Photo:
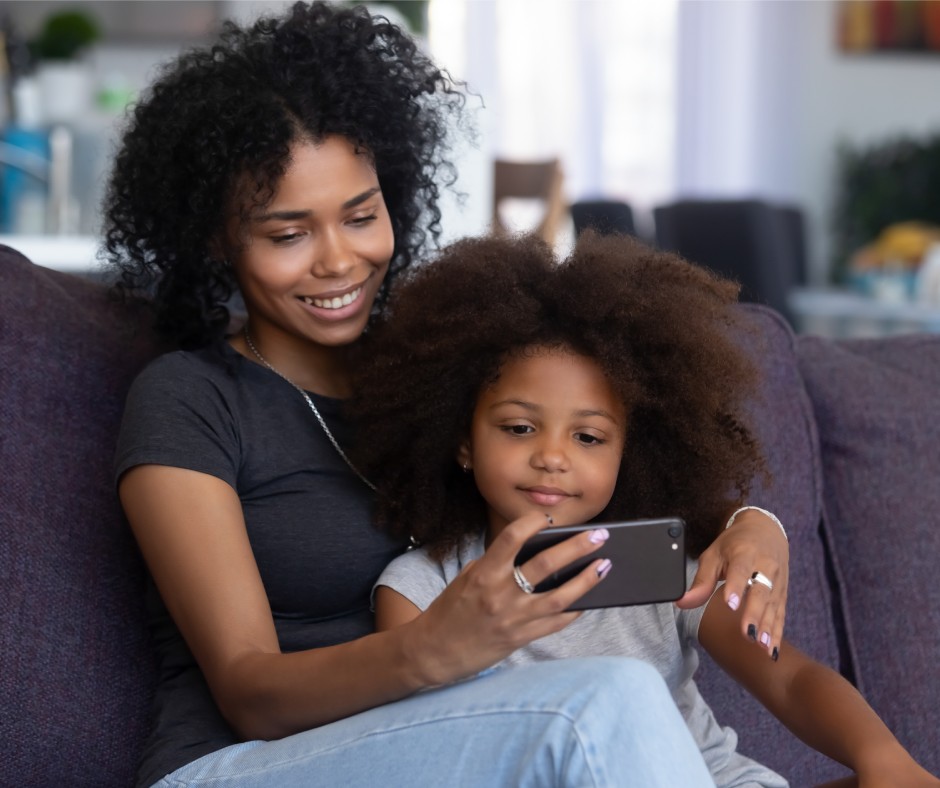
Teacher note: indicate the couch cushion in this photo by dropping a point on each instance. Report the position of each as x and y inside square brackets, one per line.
[877, 405]
[75, 662]
[783, 419]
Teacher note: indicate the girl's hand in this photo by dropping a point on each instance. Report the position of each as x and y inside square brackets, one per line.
[754, 543]
[484, 615]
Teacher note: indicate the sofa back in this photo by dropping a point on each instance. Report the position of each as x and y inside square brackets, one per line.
[877, 407]
[76, 671]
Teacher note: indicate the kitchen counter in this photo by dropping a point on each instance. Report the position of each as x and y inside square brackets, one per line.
[74, 253]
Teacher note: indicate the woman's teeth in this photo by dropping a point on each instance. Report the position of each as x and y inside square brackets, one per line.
[333, 303]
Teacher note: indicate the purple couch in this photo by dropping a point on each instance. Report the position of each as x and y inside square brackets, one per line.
[852, 430]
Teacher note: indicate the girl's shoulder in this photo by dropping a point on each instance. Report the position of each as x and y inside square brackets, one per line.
[418, 563]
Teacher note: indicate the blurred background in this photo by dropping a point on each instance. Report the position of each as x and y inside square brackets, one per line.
[794, 145]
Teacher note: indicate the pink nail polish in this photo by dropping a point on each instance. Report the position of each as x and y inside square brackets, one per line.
[765, 638]
[734, 601]
[599, 535]
[603, 568]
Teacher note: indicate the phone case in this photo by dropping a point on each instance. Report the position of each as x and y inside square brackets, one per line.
[648, 559]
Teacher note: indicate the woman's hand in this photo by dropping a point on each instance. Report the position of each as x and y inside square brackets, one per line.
[484, 615]
[755, 543]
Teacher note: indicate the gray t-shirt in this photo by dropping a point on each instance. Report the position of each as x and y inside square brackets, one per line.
[662, 635]
[309, 520]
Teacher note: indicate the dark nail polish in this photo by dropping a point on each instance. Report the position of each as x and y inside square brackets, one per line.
[752, 632]
[776, 654]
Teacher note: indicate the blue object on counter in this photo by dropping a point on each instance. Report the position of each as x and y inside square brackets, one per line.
[896, 285]
[23, 195]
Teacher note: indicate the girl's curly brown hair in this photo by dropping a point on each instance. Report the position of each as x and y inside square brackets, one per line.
[660, 328]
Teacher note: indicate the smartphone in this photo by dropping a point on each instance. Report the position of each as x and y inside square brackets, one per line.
[648, 562]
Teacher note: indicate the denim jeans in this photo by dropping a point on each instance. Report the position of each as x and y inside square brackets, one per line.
[599, 721]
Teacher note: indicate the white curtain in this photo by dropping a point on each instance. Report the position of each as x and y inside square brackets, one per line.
[592, 82]
[737, 101]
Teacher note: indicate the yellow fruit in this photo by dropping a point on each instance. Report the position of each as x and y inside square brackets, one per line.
[906, 242]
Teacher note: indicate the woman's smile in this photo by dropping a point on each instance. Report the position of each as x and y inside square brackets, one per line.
[337, 305]
[334, 302]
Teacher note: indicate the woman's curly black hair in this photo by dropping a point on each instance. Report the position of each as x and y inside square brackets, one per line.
[660, 328]
[214, 132]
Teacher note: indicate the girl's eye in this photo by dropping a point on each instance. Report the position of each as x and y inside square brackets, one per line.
[588, 440]
[517, 429]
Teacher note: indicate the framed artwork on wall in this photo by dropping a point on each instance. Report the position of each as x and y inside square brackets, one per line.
[888, 26]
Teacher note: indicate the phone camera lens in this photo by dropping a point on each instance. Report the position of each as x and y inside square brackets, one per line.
[675, 531]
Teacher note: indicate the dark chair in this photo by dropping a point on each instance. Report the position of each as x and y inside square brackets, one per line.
[606, 217]
[751, 241]
[795, 227]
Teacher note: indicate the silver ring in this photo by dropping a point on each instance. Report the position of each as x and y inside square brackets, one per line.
[760, 577]
[524, 584]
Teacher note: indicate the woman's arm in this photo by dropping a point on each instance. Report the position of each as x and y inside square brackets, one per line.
[754, 543]
[191, 531]
[192, 535]
[815, 702]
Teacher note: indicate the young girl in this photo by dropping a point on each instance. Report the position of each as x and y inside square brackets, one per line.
[296, 163]
[509, 388]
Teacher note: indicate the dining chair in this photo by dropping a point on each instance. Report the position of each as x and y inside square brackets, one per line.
[540, 181]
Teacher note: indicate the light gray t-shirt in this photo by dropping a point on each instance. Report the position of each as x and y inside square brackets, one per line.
[662, 635]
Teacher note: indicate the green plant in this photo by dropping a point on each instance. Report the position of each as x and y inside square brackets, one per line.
[897, 180]
[64, 35]
[415, 12]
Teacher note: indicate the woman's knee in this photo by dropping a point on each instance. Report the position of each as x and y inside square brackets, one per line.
[632, 678]
[617, 683]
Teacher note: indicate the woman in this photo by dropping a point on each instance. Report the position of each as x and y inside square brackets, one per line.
[296, 162]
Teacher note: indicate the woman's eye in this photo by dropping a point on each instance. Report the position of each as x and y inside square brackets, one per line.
[284, 239]
[364, 219]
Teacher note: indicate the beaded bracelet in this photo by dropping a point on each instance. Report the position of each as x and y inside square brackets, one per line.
[771, 515]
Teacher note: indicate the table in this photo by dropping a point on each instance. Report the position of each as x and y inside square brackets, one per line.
[844, 313]
[73, 253]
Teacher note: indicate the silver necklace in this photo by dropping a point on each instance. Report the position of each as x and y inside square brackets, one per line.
[313, 408]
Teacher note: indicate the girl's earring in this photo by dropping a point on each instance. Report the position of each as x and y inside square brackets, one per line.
[466, 467]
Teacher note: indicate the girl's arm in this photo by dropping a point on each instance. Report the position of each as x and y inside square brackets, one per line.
[192, 534]
[392, 609]
[754, 540]
[815, 702]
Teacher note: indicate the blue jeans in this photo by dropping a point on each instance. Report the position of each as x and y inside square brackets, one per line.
[599, 721]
